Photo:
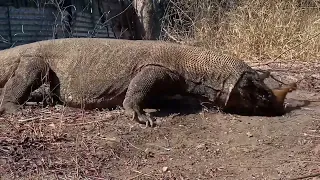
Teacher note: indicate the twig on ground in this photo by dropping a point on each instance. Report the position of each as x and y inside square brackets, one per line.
[134, 146]
[140, 174]
[86, 123]
[167, 141]
[97, 178]
[314, 130]
[152, 144]
[302, 161]
[305, 134]
[29, 119]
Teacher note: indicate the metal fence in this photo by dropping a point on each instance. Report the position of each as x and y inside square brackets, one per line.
[4, 28]
[27, 24]
[87, 25]
[30, 24]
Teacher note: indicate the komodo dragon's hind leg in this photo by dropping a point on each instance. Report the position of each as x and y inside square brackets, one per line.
[27, 77]
[149, 83]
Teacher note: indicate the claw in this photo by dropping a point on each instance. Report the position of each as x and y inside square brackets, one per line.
[143, 119]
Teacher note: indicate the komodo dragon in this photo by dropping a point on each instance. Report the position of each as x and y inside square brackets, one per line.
[103, 73]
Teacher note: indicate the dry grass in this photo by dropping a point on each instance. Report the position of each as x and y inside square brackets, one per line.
[253, 30]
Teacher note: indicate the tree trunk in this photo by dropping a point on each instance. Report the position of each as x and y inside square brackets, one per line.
[147, 21]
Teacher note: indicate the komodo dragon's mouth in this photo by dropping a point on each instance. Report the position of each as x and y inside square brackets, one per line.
[238, 104]
[282, 92]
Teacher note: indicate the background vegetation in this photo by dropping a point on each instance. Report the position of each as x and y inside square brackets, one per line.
[253, 30]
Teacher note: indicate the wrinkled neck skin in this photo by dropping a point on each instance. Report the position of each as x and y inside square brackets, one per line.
[201, 90]
[216, 96]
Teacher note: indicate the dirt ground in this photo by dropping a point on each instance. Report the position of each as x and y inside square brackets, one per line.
[67, 143]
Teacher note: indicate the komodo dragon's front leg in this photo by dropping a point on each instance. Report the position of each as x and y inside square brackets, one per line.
[26, 78]
[149, 84]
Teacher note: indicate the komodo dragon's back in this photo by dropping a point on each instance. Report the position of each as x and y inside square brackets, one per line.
[113, 59]
[99, 73]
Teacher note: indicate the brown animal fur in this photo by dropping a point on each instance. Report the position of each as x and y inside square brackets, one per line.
[281, 93]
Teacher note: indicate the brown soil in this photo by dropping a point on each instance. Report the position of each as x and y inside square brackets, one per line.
[68, 143]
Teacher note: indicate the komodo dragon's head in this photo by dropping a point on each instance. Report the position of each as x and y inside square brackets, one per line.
[251, 96]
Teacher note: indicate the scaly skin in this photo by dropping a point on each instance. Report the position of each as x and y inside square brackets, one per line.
[103, 73]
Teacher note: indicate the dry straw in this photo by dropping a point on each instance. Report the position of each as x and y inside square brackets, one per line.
[253, 30]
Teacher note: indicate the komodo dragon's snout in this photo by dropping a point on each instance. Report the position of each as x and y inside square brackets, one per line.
[251, 96]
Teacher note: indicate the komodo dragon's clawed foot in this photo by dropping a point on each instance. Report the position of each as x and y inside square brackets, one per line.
[144, 119]
[140, 117]
[27, 76]
[150, 82]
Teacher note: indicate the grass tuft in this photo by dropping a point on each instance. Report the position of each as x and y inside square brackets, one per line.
[253, 30]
